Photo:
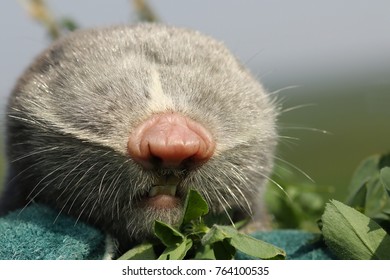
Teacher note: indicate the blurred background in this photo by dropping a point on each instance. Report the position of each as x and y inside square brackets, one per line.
[328, 61]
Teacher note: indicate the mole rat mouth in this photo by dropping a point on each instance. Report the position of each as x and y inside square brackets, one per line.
[165, 185]
[164, 193]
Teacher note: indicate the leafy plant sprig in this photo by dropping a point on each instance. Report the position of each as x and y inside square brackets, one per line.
[358, 229]
[363, 232]
[193, 239]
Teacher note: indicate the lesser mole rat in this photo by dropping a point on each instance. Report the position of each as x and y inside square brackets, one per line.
[114, 125]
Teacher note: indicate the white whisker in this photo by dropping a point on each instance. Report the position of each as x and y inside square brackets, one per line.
[31, 199]
[276, 184]
[66, 176]
[238, 175]
[295, 167]
[297, 107]
[35, 153]
[82, 188]
[218, 196]
[289, 138]
[306, 128]
[283, 89]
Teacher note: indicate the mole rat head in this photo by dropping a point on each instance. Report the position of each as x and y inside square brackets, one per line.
[113, 126]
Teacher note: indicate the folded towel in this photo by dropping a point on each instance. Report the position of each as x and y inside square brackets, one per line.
[36, 233]
[40, 233]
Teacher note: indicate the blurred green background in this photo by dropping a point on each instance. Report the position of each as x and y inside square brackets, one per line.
[356, 117]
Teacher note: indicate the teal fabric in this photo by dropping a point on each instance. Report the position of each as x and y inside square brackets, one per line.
[32, 234]
[40, 233]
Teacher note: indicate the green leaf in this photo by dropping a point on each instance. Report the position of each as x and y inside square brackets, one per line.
[141, 252]
[360, 180]
[299, 206]
[217, 233]
[242, 242]
[385, 178]
[223, 250]
[257, 248]
[178, 251]
[241, 224]
[371, 197]
[195, 207]
[205, 253]
[168, 235]
[384, 161]
[367, 169]
[377, 200]
[352, 235]
[357, 199]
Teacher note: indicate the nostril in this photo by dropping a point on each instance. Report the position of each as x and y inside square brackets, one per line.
[173, 150]
[190, 163]
[155, 161]
[170, 141]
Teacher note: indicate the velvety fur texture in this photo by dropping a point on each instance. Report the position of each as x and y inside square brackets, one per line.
[71, 114]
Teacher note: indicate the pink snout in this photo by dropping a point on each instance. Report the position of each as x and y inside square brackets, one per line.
[170, 140]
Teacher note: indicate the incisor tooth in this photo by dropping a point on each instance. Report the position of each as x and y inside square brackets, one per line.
[157, 190]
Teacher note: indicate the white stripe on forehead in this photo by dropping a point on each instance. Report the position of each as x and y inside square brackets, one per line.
[158, 101]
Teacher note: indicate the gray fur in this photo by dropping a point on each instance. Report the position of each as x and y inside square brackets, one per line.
[71, 113]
